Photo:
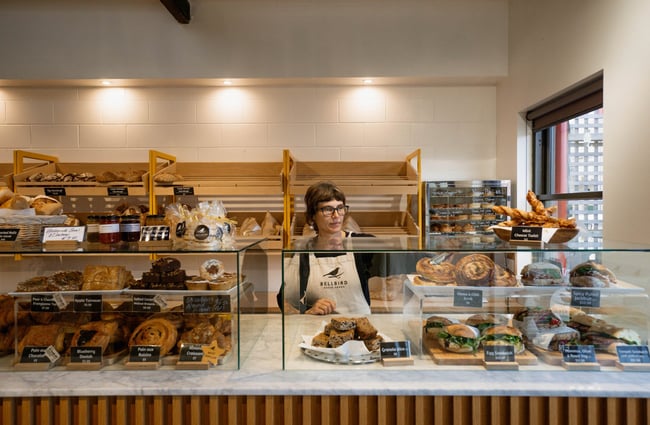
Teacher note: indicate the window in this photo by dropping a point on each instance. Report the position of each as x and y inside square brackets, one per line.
[568, 155]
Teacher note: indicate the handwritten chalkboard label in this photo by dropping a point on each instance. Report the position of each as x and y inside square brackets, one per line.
[579, 354]
[183, 190]
[584, 297]
[145, 304]
[144, 353]
[85, 354]
[64, 234]
[526, 234]
[87, 303]
[191, 353]
[117, 191]
[633, 354]
[44, 303]
[9, 235]
[468, 298]
[395, 350]
[54, 191]
[206, 303]
[499, 353]
[39, 354]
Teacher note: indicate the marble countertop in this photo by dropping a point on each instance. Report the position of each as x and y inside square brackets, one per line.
[261, 374]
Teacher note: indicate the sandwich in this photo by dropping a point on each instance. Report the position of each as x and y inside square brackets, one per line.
[435, 324]
[602, 335]
[591, 275]
[503, 335]
[459, 338]
[482, 321]
[554, 339]
[541, 274]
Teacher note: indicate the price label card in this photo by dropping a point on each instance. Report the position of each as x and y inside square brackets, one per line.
[499, 353]
[34, 354]
[146, 303]
[154, 233]
[183, 191]
[45, 303]
[579, 354]
[54, 191]
[87, 303]
[395, 349]
[633, 354]
[585, 297]
[9, 235]
[468, 298]
[144, 354]
[64, 234]
[117, 191]
[526, 234]
[206, 304]
[191, 353]
[85, 354]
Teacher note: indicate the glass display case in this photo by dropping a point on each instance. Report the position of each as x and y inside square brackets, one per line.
[124, 306]
[471, 306]
[463, 206]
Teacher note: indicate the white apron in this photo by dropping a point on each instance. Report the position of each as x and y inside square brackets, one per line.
[336, 278]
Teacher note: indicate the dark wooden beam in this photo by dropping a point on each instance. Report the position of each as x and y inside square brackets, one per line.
[180, 9]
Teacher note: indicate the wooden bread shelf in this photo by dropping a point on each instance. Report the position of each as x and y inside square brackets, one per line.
[27, 164]
[385, 196]
[6, 175]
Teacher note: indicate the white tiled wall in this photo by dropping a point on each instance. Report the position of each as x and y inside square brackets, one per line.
[454, 126]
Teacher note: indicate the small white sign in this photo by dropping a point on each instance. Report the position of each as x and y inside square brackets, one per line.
[64, 233]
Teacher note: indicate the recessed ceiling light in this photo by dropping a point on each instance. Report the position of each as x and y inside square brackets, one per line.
[227, 83]
[106, 83]
[367, 81]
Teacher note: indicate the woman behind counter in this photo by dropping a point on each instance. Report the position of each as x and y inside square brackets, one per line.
[327, 282]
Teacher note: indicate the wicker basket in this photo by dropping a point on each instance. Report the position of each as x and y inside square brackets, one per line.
[31, 227]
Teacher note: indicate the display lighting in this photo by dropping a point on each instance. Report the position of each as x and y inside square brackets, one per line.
[227, 83]
[106, 83]
[367, 81]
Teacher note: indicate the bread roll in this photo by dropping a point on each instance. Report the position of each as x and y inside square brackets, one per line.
[5, 194]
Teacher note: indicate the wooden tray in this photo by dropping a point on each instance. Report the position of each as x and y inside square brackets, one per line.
[555, 357]
[447, 358]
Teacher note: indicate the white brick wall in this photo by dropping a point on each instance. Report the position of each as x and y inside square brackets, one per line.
[454, 126]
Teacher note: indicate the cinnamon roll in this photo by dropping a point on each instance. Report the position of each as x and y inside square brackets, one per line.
[156, 331]
[437, 273]
[504, 277]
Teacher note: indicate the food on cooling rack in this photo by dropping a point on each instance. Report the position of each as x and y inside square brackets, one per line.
[539, 216]
[343, 329]
[434, 324]
[437, 273]
[44, 336]
[475, 270]
[459, 338]
[482, 321]
[601, 334]
[541, 274]
[503, 335]
[156, 331]
[591, 275]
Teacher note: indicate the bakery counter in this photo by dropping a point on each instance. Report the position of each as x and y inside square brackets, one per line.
[261, 374]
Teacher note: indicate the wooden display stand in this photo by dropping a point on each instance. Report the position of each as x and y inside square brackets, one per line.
[247, 189]
[28, 163]
[384, 192]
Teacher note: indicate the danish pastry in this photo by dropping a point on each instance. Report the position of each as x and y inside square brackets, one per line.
[475, 270]
[158, 331]
[439, 273]
[95, 334]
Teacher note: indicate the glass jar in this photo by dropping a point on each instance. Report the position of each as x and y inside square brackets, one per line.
[109, 229]
[130, 228]
[92, 228]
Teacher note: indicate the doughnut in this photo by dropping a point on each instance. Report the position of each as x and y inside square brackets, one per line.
[211, 269]
[440, 274]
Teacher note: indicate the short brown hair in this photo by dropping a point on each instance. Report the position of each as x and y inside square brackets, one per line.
[320, 192]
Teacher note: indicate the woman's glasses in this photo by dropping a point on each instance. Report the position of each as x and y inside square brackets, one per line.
[328, 211]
